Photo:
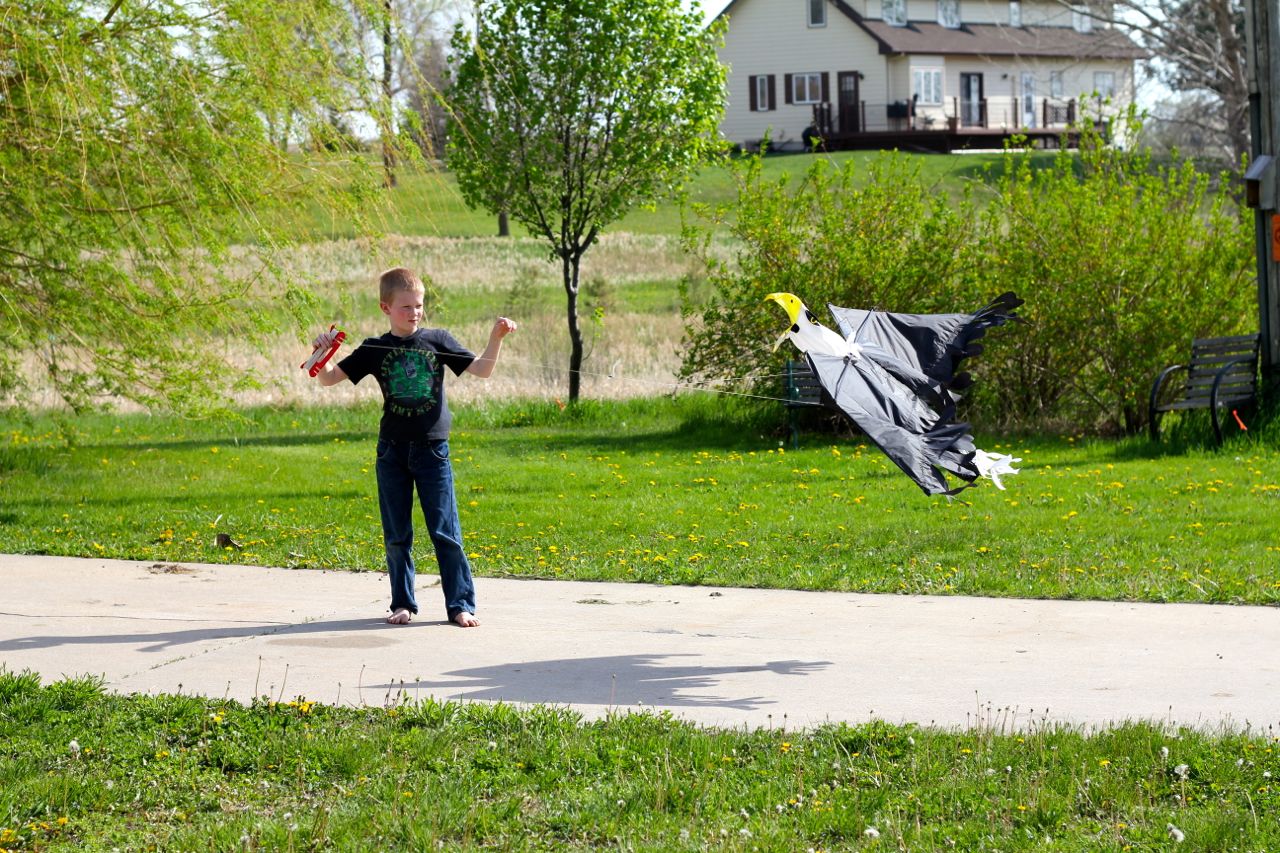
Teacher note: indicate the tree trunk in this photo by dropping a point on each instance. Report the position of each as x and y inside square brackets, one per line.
[388, 127]
[569, 266]
[504, 229]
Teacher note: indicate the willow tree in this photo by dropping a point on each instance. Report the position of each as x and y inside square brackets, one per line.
[139, 142]
[568, 113]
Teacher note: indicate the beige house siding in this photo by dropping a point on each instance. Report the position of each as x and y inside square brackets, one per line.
[773, 37]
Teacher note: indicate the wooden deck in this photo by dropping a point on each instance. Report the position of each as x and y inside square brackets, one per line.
[946, 140]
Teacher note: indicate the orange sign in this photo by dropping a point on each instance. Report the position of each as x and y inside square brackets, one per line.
[1275, 237]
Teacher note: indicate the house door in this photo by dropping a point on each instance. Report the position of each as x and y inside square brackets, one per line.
[848, 105]
[971, 100]
[1028, 99]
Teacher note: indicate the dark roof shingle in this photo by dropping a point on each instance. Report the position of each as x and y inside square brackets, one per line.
[1000, 40]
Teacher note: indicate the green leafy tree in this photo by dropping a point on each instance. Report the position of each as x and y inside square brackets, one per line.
[136, 147]
[567, 113]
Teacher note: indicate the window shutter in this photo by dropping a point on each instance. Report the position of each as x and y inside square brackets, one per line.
[826, 86]
[786, 85]
[773, 95]
[751, 98]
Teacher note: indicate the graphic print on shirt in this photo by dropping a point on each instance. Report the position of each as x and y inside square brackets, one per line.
[410, 377]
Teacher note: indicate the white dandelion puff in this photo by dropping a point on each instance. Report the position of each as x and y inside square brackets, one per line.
[871, 832]
[1176, 834]
[1182, 770]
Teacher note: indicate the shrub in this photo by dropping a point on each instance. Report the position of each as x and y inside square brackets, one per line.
[884, 238]
[1121, 262]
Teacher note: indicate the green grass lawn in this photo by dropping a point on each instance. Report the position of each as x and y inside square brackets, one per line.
[85, 770]
[696, 491]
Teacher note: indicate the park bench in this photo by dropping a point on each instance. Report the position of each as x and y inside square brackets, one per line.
[802, 391]
[1222, 374]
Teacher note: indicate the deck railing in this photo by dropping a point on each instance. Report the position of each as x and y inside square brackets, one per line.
[955, 114]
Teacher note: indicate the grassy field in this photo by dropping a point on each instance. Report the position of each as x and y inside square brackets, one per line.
[698, 490]
[426, 200]
[85, 770]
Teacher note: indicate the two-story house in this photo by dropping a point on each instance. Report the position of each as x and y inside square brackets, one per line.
[928, 73]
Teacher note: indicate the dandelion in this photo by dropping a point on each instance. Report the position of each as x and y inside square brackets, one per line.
[1176, 834]
[871, 832]
[74, 746]
[744, 832]
[1164, 752]
[1182, 770]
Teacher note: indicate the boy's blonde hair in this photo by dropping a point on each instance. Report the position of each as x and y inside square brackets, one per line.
[395, 280]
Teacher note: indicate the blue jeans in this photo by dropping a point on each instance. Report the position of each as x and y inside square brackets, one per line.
[425, 464]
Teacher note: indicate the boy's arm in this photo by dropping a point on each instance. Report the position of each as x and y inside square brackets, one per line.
[330, 374]
[484, 364]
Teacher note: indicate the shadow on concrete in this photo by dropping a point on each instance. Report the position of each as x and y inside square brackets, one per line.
[159, 641]
[622, 681]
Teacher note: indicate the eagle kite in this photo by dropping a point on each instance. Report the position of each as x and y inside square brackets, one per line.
[894, 376]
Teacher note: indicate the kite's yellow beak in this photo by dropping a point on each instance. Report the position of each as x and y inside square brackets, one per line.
[790, 302]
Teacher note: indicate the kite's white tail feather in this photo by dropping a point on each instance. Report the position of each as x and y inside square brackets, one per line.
[994, 465]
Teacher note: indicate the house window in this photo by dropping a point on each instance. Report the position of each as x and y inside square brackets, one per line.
[949, 14]
[1015, 13]
[762, 91]
[1055, 84]
[817, 13]
[806, 88]
[894, 12]
[1081, 19]
[926, 85]
[1104, 83]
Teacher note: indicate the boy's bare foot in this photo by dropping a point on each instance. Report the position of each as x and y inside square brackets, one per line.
[466, 620]
[400, 617]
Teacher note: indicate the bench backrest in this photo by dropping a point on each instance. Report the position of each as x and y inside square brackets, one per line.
[1209, 355]
[802, 386]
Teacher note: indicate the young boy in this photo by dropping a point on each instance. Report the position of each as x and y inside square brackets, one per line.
[413, 440]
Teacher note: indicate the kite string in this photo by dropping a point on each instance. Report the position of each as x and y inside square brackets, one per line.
[674, 386]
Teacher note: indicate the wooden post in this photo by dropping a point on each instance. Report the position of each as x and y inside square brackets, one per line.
[1262, 26]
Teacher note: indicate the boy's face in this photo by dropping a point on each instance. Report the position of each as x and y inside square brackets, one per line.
[404, 311]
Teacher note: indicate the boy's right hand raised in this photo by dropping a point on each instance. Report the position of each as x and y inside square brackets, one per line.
[324, 340]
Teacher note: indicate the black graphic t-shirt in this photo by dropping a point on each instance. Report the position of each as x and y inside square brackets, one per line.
[410, 372]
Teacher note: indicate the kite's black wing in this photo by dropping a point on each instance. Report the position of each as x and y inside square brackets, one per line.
[900, 391]
[934, 344]
[899, 421]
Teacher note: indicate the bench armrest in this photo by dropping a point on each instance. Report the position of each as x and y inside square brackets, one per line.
[1152, 419]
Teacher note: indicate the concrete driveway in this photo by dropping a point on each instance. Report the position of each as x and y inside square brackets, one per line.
[714, 656]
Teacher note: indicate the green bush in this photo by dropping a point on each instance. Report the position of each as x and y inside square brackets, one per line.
[882, 238]
[1121, 262]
